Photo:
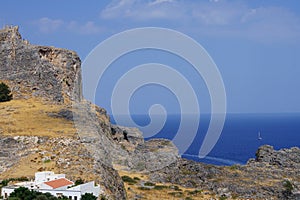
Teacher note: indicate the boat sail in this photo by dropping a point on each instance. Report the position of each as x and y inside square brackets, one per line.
[259, 136]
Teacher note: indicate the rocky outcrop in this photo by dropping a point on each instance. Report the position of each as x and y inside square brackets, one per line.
[272, 174]
[12, 148]
[118, 145]
[153, 155]
[285, 158]
[46, 72]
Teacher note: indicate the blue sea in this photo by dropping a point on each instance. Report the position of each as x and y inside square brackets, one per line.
[239, 138]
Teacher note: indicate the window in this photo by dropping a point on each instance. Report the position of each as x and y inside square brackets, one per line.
[75, 197]
[70, 197]
[5, 195]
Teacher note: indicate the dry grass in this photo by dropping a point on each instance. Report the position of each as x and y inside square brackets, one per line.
[27, 168]
[30, 118]
[46, 157]
[167, 191]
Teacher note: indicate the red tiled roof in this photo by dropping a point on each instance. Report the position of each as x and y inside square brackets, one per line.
[59, 183]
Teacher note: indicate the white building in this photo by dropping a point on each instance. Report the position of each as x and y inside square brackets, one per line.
[55, 184]
[41, 177]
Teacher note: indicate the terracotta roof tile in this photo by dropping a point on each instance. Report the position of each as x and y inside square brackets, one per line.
[59, 183]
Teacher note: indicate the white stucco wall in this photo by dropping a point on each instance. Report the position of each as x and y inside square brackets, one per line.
[6, 191]
[66, 193]
[45, 176]
[87, 188]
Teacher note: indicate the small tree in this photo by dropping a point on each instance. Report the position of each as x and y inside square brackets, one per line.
[288, 188]
[5, 93]
[79, 182]
[22, 193]
[88, 196]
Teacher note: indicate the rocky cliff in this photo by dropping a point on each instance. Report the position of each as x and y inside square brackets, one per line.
[46, 72]
[49, 120]
[38, 126]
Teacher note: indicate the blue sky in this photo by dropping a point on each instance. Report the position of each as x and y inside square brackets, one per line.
[255, 44]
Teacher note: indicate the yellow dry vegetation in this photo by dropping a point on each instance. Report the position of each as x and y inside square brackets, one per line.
[30, 118]
[160, 191]
[27, 168]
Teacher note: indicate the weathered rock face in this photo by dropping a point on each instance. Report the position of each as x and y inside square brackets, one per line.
[262, 178]
[282, 158]
[122, 146]
[51, 73]
[11, 148]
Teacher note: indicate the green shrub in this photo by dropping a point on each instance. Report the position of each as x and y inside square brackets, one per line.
[128, 179]
[149, 184]
[288, 188]
[5, 93]
[175, 187]
[79, 182]
[176, 194]
[233, 167]
[194, 192]
[23, 193]
[88, 196]
[47, 161]
[160, 187]
[6, 181]
[143, 188]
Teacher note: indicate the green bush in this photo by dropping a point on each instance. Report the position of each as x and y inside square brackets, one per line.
[175, 187]
[143, 188]
[194, 192]
[160, 187]
[5, 93]
[6, 181]
[288, 188]
[23, 193]
[149, 184]
[79, 182]
[88, 196]
[128, 179]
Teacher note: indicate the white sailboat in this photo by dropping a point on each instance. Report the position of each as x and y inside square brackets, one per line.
[259, 136]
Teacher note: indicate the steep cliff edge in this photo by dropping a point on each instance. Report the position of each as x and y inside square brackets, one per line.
[37, 128]
[38, 71]
[49, 120]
